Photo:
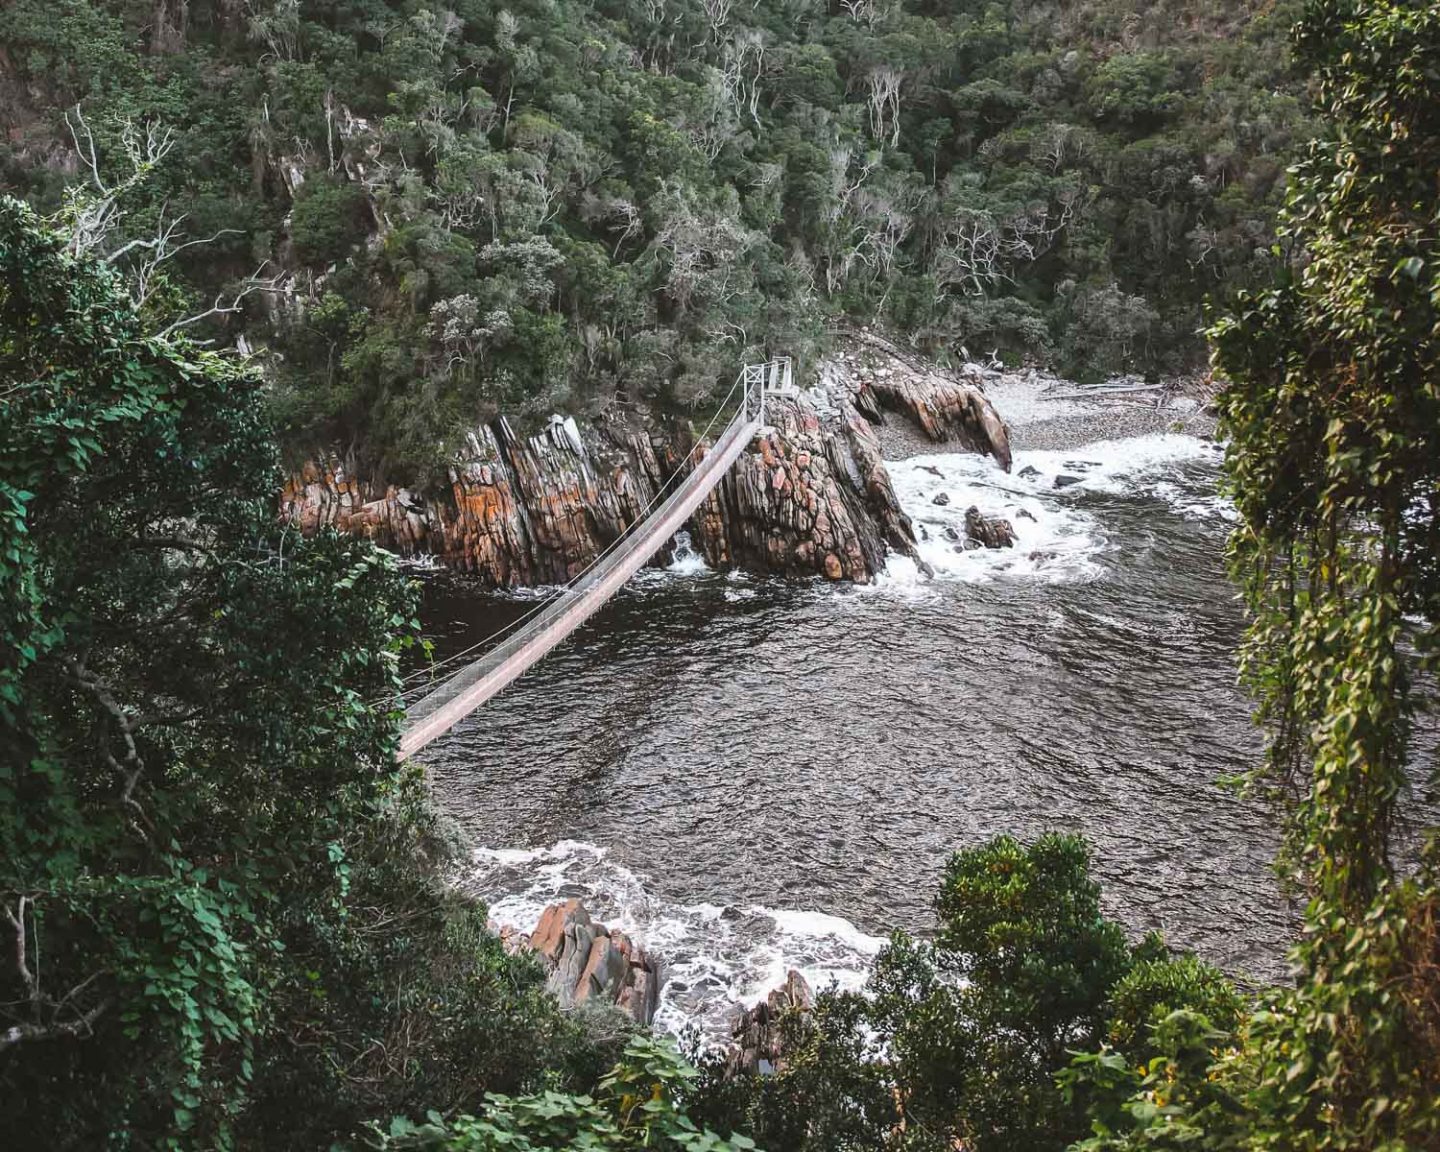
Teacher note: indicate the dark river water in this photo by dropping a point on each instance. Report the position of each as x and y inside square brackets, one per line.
[751, 774]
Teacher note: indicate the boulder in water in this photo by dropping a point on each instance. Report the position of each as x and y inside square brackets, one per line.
[990, 531]
[587, 961]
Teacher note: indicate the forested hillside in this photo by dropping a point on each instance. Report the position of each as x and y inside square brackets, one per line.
[428, 210]
[227, 911]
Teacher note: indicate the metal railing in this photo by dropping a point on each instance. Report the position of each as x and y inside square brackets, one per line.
[434, 714]
[774, 377]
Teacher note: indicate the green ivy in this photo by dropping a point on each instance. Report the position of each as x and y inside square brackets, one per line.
[1333, 416]
[226, 917]
[635, 1106]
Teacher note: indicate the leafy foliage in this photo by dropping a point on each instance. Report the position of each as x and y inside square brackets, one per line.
[961, 1043]
[224, 916]
[328, 219]
[635, 1107]
[563, 201]
[1332, 412]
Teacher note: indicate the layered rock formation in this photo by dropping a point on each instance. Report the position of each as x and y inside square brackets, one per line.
[811, 496]
[537, 510]
[757, 1042]
[327, 492]
[518, 510]
[589, 962]
[948, 407]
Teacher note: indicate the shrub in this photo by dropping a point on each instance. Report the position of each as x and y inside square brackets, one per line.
[328, 219]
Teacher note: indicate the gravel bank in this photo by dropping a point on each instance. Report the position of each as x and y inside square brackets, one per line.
[1042, 414]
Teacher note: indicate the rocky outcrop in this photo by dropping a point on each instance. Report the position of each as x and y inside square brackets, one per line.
[988, 531]
[517, 511]
[810, 496]
[538, 509]
[328, 493]
[757, 1040]
[588, 962]
[949, 407]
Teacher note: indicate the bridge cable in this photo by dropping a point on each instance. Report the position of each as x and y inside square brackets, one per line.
[430, 670]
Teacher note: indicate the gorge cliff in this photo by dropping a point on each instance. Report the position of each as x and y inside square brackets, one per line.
[810, 496]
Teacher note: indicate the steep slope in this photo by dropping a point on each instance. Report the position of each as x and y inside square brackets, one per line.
[426, 212]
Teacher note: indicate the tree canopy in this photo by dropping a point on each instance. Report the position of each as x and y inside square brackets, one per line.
[224, 913]
[543, 203]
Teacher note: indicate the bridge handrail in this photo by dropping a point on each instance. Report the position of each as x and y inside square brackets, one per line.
[471, 686]
[752, 387]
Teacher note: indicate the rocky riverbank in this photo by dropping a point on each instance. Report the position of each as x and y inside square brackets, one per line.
[1044, 412]
[587, 962]
[811, 496]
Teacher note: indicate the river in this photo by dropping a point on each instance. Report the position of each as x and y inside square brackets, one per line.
[750, 774]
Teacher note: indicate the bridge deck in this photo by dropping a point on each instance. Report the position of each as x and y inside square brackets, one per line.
[462, 693]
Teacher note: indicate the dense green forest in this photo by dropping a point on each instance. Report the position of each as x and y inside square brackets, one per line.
[442, 208]
[225, 916]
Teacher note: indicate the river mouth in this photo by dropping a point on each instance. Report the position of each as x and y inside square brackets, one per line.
[750, 774]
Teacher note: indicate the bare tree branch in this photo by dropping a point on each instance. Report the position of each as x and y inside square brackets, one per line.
[223, 307]
[37, 1002]
[91, 215]
[82, 1025]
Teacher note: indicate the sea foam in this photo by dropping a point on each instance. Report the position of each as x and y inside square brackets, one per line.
[1059, 533]
[714, 957]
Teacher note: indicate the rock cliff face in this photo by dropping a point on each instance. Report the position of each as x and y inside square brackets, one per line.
[757, 1039]
[811, 496]
[537, 510]
[517, 511]
[947, 406]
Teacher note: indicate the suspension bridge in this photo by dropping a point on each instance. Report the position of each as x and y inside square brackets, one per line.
[539, 631]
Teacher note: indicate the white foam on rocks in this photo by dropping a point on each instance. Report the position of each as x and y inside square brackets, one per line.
[1048, 499]
[714, 958]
